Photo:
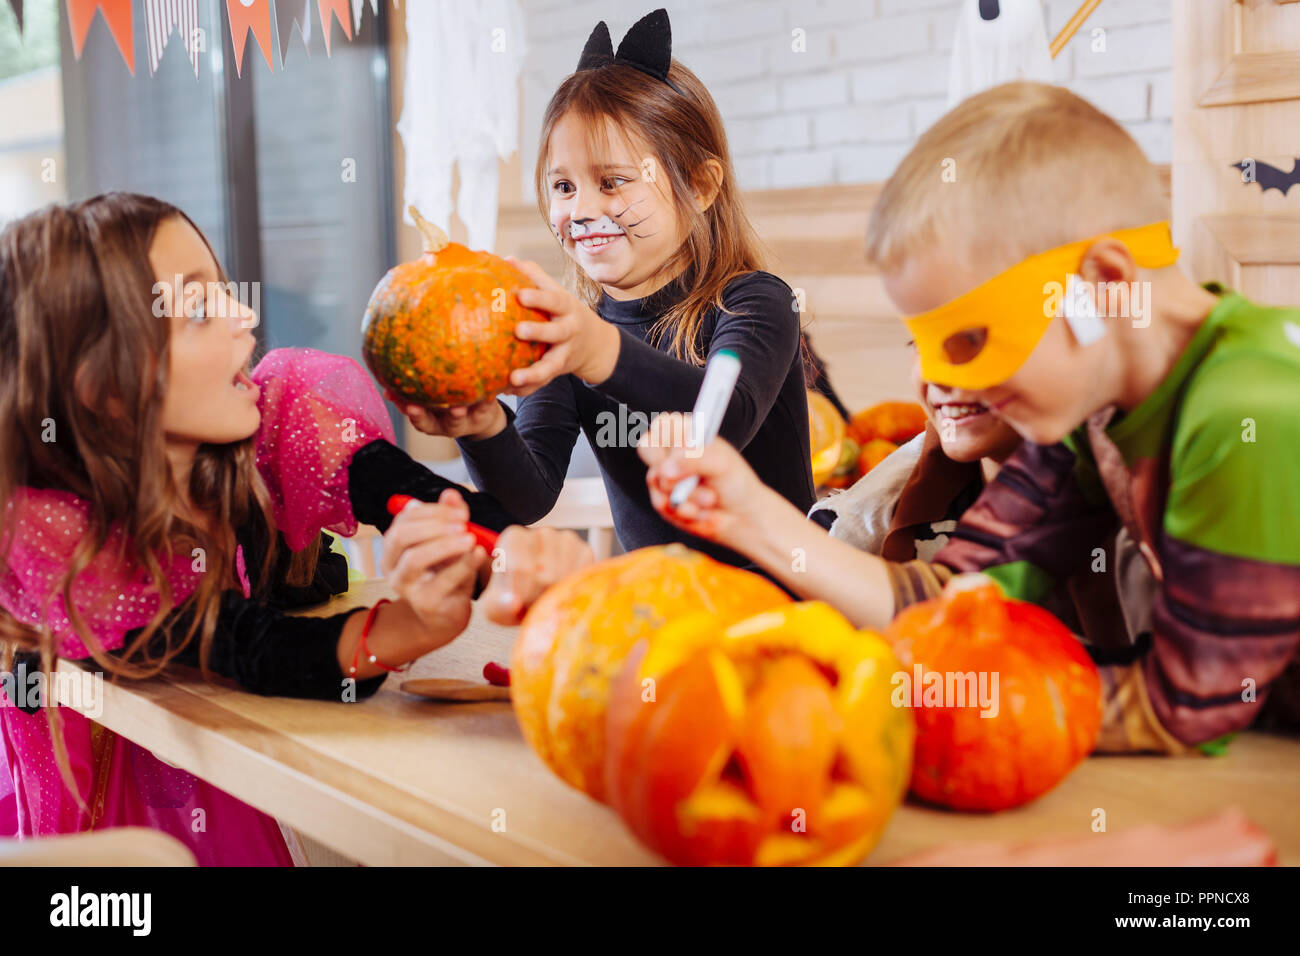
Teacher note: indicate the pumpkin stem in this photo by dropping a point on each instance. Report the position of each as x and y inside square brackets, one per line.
[435, 240]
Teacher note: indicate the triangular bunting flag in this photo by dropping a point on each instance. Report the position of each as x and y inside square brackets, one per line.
[288, 14]
[358, 6]
[339, 8]
[245, 16]
[117, 14]
[160, 18]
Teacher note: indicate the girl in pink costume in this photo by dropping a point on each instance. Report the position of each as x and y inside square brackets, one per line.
[160, 503]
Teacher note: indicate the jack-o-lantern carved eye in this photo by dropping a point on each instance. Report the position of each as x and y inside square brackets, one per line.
[770, 742]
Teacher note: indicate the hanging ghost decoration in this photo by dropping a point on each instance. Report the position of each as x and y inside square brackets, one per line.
[998, 41]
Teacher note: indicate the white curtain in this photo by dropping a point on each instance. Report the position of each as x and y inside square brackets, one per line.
[460, 107]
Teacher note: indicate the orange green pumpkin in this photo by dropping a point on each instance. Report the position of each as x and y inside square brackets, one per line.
[440, 330]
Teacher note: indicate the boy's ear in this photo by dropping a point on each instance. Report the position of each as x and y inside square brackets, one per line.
[707, 184]
[1108, 260]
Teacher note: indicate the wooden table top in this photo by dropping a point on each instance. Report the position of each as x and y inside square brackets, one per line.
[398, 779]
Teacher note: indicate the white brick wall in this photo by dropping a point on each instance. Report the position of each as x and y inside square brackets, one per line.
[816, 92]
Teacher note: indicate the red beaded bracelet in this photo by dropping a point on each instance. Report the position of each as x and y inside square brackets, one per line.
[361, 644]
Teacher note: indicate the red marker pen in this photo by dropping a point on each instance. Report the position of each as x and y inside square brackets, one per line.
[481, 534]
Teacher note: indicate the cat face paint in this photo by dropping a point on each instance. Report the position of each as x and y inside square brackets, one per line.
[617, 224]
[594, 228]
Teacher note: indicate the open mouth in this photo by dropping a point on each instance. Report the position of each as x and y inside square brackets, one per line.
[242, 383]
[963, 412]
[593, 235]
[594, 243]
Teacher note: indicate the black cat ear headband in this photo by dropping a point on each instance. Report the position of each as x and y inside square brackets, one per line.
[647, 46]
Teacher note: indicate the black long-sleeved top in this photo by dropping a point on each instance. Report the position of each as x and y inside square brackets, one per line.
[257, 642]
[524, 465]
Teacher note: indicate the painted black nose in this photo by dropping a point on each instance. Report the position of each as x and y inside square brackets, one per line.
[989, 9]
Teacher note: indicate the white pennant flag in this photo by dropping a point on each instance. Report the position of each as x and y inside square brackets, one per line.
[357, 7]
[160, 18]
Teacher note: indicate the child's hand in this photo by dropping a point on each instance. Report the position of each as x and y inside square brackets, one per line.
[581, 342]
[525, 563]
[483, 419]
[727, 504]
[432, 561]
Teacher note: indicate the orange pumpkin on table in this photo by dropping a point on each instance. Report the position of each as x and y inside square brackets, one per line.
[575, 636]
[873, 453]
[441, 330]
[771, 742]
[871, 436]
[1043, 714]
[893, 421]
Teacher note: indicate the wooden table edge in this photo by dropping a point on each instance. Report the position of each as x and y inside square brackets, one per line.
[341, 817]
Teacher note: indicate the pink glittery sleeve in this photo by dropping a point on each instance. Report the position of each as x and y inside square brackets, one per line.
[317, 410]
[111, 598]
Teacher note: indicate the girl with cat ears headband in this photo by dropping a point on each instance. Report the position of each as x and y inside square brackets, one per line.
[634, 178]
[685, 160]
[647, 46]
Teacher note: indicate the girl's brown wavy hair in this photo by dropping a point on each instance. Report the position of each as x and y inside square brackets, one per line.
[683, 130]
[81, 344]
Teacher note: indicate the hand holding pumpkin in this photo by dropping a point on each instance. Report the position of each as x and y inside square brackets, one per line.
[483, 419]
[527, 561]
[581, 342]
[432, 562]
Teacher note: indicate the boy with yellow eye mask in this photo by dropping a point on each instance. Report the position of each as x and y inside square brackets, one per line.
[1024, 240]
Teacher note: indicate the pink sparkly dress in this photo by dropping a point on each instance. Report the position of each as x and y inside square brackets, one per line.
[317, 410]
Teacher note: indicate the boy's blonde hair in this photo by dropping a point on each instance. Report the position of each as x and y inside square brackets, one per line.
[1011, 172]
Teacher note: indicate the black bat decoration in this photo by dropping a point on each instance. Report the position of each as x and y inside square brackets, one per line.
[1270, 177]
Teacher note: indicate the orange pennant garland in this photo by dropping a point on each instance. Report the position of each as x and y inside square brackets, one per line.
[163, 17]
[339, 8]
[255, 16]
[117, 14]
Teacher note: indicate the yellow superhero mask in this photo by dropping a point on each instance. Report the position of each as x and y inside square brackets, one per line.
[979, 339]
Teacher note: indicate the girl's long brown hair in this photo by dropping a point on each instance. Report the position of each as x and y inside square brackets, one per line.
[80, 344]
[683, 130]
